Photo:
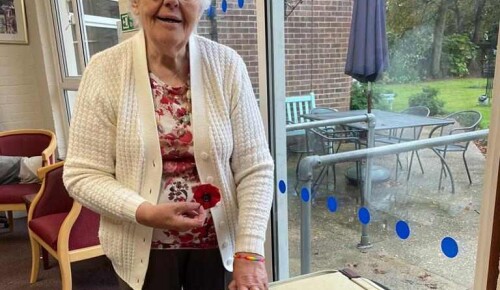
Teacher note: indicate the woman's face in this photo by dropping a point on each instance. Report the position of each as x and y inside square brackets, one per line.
[169, 22]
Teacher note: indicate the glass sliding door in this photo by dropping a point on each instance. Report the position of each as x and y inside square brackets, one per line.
[420, 224]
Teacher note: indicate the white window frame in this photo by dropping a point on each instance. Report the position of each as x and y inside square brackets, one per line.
[69, 58]
[96, 21]
[99, 21]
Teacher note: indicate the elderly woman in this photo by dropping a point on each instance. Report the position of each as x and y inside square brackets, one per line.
[161, 120]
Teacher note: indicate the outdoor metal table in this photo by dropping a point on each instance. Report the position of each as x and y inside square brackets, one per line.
[384, 121]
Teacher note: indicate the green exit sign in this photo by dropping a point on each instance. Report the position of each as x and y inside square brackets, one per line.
[127, 22]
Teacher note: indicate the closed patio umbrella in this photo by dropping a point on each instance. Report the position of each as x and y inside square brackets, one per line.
[367, 59]
[367, 55]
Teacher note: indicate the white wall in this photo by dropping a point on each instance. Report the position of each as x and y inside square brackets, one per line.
[124, 7]
[23, 91]
[29, 92]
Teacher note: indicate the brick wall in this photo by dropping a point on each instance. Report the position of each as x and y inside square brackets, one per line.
[317, 33]
[316, 36]
[237, 28]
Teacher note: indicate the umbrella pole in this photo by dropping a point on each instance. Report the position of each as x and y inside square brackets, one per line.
[367, 184]
[369, 95]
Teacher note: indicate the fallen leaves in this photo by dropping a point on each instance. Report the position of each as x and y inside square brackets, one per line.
[424, 277]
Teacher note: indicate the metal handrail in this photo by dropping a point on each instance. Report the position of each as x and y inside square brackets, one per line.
[330, 122]
[315, 160]
[367, 185]
[307, 165]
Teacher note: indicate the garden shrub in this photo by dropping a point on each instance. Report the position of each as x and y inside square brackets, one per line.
[428, 98]
[359, 98]
[458, 51]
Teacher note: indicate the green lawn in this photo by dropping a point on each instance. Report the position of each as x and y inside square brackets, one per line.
[458, 94]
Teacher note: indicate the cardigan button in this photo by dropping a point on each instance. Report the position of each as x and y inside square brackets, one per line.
[224, 245]
[229, 262]
[204, 155]
[222, 224]
[210, 179]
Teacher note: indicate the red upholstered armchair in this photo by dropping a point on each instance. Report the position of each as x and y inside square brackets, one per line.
[26, 143]
[62, 226]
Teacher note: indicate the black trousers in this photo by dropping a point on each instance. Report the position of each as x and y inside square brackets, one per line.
[184, 269]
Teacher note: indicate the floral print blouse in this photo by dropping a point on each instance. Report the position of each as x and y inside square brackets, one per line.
[173, 118]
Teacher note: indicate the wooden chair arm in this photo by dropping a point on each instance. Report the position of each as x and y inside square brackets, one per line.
[42, 171]
[67, 225]
[48, 155]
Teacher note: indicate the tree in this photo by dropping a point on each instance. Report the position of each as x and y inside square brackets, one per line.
[406, 15]
[478, 18]
[475, 66]
[459, 19]
[438, 38]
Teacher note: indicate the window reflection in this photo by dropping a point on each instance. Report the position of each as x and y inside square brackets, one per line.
[103, 8]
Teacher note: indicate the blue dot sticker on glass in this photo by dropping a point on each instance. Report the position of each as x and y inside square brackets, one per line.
[304, 193]
[449, 247]
[402, 230]
[241, 3]
[224, 6]
[331, 203]
[282, 186]
[211, 11]
[364, 215]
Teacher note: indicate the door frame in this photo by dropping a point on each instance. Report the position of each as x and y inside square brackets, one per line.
[487, 260]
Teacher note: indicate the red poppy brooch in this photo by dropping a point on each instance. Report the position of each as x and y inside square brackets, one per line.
[206, 194]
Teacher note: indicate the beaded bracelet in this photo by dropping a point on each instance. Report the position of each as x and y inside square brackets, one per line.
[252, 258]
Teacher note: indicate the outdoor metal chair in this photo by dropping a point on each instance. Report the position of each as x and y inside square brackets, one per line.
[404, 135]
[303, 146]
[330, 129]
[342, 133]
[465, 121]
[323, 141]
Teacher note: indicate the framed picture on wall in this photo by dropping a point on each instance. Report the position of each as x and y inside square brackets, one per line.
[13, 28]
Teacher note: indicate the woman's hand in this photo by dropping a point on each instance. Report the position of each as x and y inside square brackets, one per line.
[249, 275]
[177, 216]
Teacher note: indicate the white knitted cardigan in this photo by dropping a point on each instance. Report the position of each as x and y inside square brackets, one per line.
[114, 164]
